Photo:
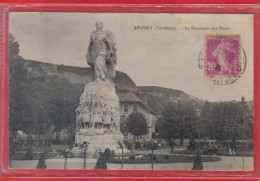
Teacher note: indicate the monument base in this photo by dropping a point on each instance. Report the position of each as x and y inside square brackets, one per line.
[98, 118]
[98, 143]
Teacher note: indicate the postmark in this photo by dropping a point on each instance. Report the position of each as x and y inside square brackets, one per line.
[223, 58]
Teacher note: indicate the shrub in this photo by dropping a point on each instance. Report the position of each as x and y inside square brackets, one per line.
[129, 146]
[107, 154]
[101, 162]
[197, 164]
[70, 155]
[148, 146]
[166, 157]
[205, 152]
[132, 157]
[41, 163]
[137, 145]
[113, 153]
[154, 156]
[192, 145]
[251, 145]
[29, 154]
[172, 144]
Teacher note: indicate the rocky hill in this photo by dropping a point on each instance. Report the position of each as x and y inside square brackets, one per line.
[76, 75]
[170, 93]
[157, 97]
[154, 97]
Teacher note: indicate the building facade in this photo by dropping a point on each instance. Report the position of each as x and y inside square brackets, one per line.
[129, 103]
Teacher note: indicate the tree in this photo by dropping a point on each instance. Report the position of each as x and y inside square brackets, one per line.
[229, 120]
[18, 107]
[192, 144]
[205, 120]
[29, 153]
[17, 76]
[137, 124]
[39, 104]
[123, 126]
[246, 122]
[13, 46]
[41, 164]
[197, 164]
[53, 102]
[101, 162]
[62, 102]
[176, 122]
[107, 154]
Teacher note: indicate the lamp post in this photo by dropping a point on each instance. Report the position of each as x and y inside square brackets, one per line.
[85, 145]
[65, 153]
[243, 147]
[152, 159]
[121, 146]
[198, 124]
[154, 147]
[197, 164]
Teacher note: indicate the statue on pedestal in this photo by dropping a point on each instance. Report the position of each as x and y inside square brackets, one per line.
[98, 113]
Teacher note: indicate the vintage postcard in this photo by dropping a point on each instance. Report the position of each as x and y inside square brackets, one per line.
[131, 91]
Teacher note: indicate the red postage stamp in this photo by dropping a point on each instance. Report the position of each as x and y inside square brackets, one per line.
[222, 55]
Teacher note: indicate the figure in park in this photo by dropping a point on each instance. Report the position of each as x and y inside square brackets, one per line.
[101, 55]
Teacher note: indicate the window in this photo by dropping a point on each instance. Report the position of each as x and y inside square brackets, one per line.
[106, 126]
[135, 107]
[99, 125]
[122, 118]
[126, 108]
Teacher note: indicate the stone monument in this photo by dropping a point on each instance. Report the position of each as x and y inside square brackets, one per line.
[98, 113]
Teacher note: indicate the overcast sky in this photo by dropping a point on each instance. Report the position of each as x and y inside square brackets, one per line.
[166, 58]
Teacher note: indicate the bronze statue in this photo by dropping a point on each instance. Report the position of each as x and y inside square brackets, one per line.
[101, 54]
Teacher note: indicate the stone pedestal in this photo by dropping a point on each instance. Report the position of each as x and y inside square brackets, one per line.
[98, 118]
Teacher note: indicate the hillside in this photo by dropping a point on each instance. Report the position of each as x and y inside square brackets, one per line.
[157, 97]
[76, 75]
[154, 97]
[170, 93]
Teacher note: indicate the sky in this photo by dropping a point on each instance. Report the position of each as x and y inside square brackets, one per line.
[151, 57]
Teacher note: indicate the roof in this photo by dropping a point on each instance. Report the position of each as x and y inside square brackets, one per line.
[128, 97]
[132, 98]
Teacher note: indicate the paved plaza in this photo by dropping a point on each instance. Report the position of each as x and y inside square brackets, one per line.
[226, 163]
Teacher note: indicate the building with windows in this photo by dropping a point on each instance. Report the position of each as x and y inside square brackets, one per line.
[129, 103]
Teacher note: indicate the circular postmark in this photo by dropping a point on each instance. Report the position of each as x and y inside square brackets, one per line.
[223, 60]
